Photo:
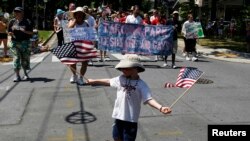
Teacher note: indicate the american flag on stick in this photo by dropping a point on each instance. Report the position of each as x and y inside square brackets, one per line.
[76, 51]
[186, 78]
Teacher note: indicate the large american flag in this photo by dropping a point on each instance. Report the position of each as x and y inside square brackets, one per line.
[186, 78]
[76, 51]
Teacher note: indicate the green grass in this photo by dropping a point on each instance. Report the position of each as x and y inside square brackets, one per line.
[44, 34]
[220, 43]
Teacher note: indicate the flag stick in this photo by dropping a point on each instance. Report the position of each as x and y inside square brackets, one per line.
[185, 92]
[69, 66]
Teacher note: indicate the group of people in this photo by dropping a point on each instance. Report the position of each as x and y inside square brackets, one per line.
[221, 29]
[131, 89]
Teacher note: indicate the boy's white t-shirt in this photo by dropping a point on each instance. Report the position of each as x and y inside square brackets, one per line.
[127, 106]
[133, 19]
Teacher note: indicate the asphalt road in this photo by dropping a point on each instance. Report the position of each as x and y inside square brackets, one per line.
[49, 108]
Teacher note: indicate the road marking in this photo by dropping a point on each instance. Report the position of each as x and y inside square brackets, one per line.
[170, 133]
[36, 58]
[70, 103]
[55, 59]
[70, 134]
[69, 137]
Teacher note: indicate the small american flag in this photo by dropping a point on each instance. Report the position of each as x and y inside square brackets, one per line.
[76, 51]
[186, 78]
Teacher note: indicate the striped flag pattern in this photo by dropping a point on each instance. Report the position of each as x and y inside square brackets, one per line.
[76, 51]
[186, 78]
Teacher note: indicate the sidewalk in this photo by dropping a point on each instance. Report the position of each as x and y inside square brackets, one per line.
[219, 54]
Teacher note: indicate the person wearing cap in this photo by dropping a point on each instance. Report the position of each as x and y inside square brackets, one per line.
[177, 27]
[78, 22]
[131, 92]
[58, 26]
[20, 29]
[3, 33]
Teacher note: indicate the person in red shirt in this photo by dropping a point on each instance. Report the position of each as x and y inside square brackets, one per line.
[146, 20]
[123, 17]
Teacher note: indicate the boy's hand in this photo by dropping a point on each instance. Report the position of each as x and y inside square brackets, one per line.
[165, 110]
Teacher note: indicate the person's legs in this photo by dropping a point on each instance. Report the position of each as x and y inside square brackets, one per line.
[82, 72]
[117, 131]
[73, 78]
[130, 131]
[60, 38]
[248, 47]
[16, 62]
[25, 58]
[173, 61]
[165, 59]
[174, 52]
[5, 47]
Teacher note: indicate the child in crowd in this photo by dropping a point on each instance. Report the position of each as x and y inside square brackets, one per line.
[35, 46]
[131, 91]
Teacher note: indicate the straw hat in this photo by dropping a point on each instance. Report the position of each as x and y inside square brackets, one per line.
[130, 61]
[78, 9]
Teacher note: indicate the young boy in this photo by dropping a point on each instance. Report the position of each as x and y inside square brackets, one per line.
[131, 91]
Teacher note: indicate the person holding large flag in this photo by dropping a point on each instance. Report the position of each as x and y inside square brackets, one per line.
[78, 22]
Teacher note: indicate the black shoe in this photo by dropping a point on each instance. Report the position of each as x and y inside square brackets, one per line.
[17, 79]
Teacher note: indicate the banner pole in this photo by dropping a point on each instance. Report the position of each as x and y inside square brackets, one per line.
[185, 92]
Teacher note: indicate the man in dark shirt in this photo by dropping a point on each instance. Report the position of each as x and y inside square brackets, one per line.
[20, 30]
[177, 27]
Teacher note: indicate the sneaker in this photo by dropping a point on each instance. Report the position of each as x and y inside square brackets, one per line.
[17, 79]
[90, 63]
[81, 81]
[73, 79]
[26, 77]
[156, 58]
[194, 59]
[188, 59]
[174, 67]
[164, 65]
[106, 59]
[184, 54]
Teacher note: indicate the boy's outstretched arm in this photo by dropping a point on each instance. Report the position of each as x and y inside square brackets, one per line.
[163, 109]
[105, 82]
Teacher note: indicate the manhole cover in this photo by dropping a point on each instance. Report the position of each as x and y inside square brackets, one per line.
[204, 81]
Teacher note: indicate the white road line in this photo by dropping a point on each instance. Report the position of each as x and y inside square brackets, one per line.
[38, 57]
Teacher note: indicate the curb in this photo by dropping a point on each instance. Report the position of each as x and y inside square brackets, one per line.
[210, 53]
[47, 40]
